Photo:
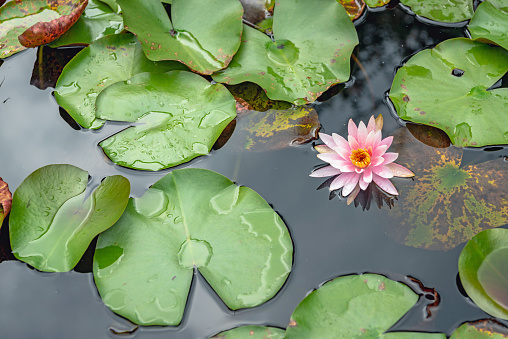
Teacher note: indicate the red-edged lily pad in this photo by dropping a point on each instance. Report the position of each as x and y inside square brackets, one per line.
[5, 200]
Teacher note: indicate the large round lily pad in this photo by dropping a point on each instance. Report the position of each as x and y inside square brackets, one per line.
[442, 11]
[204, 35]
[446, 204]
[311, 52]
[179, 116]
[106, 61]
[252, 332]
[355, 306]
[483, 271]
[191, 218]
[448, 87]
[54, 219]
[490, 24]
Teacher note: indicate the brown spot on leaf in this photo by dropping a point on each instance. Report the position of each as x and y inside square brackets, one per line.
[292, 323]
[406, 98]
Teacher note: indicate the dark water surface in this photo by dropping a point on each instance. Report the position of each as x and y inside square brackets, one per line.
[330, 238]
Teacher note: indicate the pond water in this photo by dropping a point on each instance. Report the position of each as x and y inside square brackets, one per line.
[330, 238]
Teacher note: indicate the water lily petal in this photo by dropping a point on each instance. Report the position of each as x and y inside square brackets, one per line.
[340, 181]
[383, 171]
[326, 171]
[363, 184]
[371, 127]
[344, 154]
[323, 149]
[353, 195]
[379, 123]
[390, 157]
[362, 134]
[370, 140]
[387, 141]
[341, 142]
[400, 171]
[376, 161]
[353, 142]
[379, 151]
[350, 185]
[340, 164]
[385, 184]
[367, 175]
[329, 157]
[352, 130]
[327, 139]
[348, 168]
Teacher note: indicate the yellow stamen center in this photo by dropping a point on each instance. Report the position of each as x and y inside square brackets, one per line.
[360, 158]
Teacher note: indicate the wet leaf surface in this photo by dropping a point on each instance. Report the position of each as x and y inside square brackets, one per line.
[5, 200]
[442, 11]
[483, 271]
[178, 115]
[446, 204]
[354, 8]
[252, 332]
[355, 306]
[191, 218]
[192, 39]
[47, 71]
[487, 328]
[53, 220]
[296, 67]
[376, 3]
[97, 21]
[456, 73]
[490, 24]
[106, 61]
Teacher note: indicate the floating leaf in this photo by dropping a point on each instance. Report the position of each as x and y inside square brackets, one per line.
[488, 329]
[376, 3]
[354, 8]
[53, 220]
[191, 218]
[252, 332]
[113, 5]
[501, 4]
[204, 35]
[97, 21]
[446, 204]
[296, 67]
[179, 116]
[35, 22]
[448, 87]
[483, 271]
[355, 306]
[5, 200]
[490, 24]
[106, 61]
[429, 135]
[49, 65]
[442, 11]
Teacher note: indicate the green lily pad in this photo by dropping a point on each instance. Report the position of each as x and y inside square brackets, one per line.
[113, 5]
[191, 218]
[106, 61]
[5, 200]
[501, 4]
[456, 73]
[481, 329]
[483, 271]
[490, 24]
[179, 116]
[252, 332]
[35, 22]
[354, 8]
[355, 306]
[296, 67]
[376, 3]
[204, 35]
[97, 21]
[446, 204]
[442, 11]
[53, 220]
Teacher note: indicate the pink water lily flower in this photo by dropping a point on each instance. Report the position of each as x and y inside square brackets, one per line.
[359, 160]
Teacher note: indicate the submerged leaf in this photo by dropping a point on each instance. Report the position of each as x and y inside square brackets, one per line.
[255, 11]
[178, 115]
[483, 271]
[252, 332]
[446, 204]
[49, 65]
[481, 329]
[448, 87]
[53, 220]
[296, 67]
[191, 218]
[5, 200]
[490, 24]
[204, 35]
[442, 11]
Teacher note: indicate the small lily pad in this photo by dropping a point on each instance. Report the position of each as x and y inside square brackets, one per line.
[204, 35]
[355, 306]
[490, 24]
[252, 332]
[376, 3]
[53, 220]
[191, 218]
[354, 8]
[481, 329]
[179, 116]
[442, 11]
[296, 67]
[5, 200]
[106, 61]
[456, 73]
[483, 271]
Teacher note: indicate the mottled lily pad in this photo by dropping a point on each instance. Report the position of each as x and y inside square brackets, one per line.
[178, 115]
[445, 205]
[354, 8]
[355, 306]
[33, 23]
[252, 332]
[296, 67]
[204, 35]
[483, 271]
[5, 200]
[106, 61]
[54, 219]
[490, 24]
[442, 11]
[97, 21]
[456, 73]
[191, 218]
[481, 329]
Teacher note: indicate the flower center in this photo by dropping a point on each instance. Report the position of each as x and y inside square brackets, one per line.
[360, 158]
